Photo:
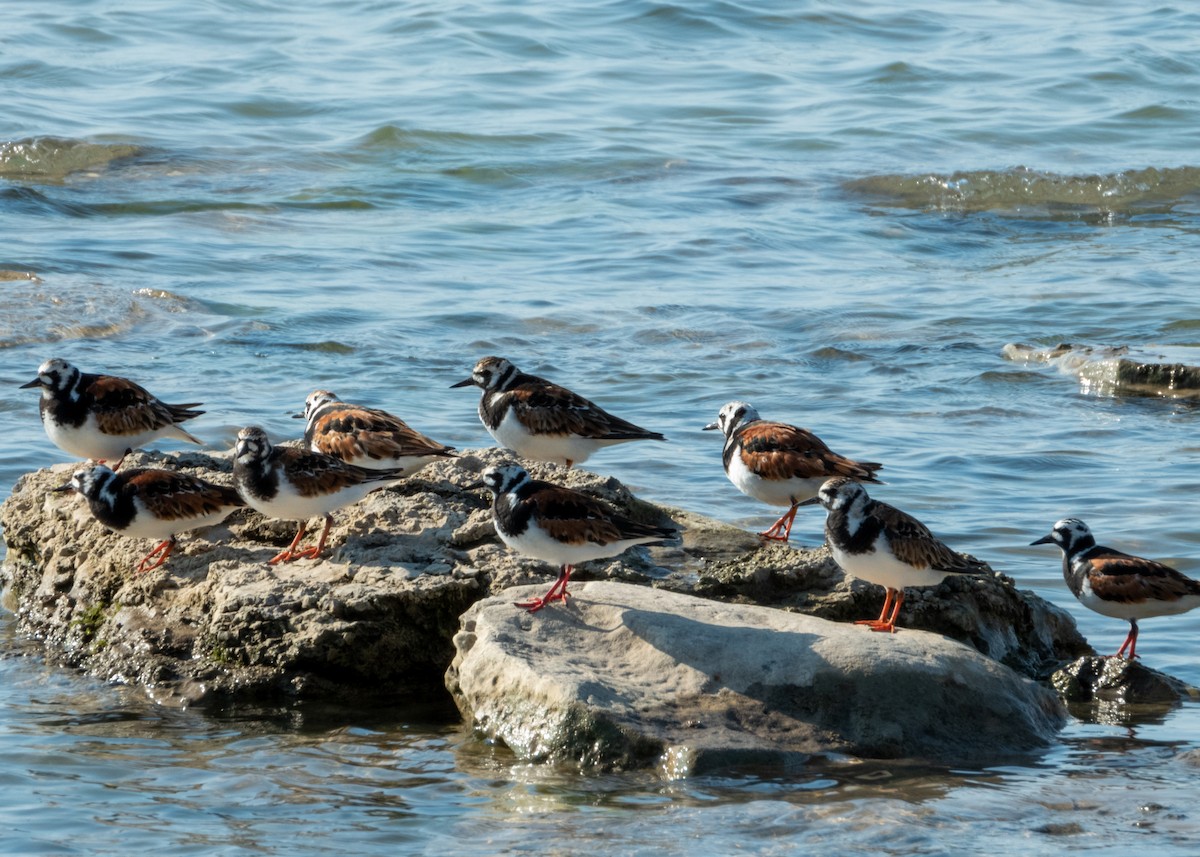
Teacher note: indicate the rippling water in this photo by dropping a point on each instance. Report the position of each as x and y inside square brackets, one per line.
[841, 214]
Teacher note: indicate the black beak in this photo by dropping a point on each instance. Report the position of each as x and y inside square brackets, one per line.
[36, 382]
[297, 416]
[63, 488]
[477, 485]
[465, 382]
[811, 501]
[1044, 540]
[710, 427]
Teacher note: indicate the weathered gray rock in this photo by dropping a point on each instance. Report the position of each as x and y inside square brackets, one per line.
[1116, 690]
[1172, 372]
[379, 613]
[628, 677]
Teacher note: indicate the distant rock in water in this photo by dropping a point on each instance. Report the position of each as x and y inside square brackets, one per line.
[54, 158]
[1031, 193]
[1172, 372]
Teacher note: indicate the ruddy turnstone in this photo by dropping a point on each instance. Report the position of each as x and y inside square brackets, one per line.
[151, 503]
[559, 525]
[780, 464]
[295, 484]
[1119, 585]
[542, 421]
[883, 545]
[367, 437]
[102, 417]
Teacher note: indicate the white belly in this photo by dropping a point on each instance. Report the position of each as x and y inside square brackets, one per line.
[146, 526]
[881, 568]
[288, 505]
[407, 464]
[1136, 610]
[557, 448]
[88, 441]
[775, 492]
[535, 543]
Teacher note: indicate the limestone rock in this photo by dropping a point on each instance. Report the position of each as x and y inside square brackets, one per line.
[625, 677]
[379, 613]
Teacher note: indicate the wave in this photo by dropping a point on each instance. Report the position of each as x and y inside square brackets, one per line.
[54, 158]
[1030, 191]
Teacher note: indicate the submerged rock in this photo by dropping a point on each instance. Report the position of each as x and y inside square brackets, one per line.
[1114, 371]
[379, 613]
[626, 677]
[1117, 689]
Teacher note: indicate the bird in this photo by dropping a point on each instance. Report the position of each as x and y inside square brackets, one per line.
[883, 545]
[152, 503]
[103, 417]
[541, 421]
[780, 464]
[366, 437]
[1118, 585]
[296, 484]
[557, 524]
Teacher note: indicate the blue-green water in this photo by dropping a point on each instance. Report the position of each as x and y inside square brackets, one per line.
[839, 213]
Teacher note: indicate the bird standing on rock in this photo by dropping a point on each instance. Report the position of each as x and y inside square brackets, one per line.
[366, 437]
[295, 484]
[779, 464]
[152, 503]
[542, 421]
[881, 544]
[559, 525]
[1119, 585]
[103, 417]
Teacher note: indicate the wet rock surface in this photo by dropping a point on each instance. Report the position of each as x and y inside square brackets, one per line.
[1172, 372]
[623, 677]
[1108, 688]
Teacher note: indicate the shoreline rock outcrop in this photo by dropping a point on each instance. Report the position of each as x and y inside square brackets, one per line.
[379, 616]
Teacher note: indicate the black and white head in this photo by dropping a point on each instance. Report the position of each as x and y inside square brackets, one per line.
[1070, 534]
[92, 483]
[841, 493]
[252, 447]
[732, 416]
[55, 376]
[504, 478]
[490, 373]
[316, 400]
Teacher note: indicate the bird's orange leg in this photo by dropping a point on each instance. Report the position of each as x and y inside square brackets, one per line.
[887, 603]
[783, 525]
[890, 624]
[315, 551]
[1130, 642]
[162, 551]
[557, 592]
[288, 554]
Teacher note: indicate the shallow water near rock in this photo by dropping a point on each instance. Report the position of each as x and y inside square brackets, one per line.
[842, 216]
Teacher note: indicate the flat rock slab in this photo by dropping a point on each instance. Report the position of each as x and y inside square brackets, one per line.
[623, 676]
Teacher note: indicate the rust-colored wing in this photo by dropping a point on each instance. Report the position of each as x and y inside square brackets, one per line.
[174, 496]
[914, 544]
[125, 408]
[780, 451]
